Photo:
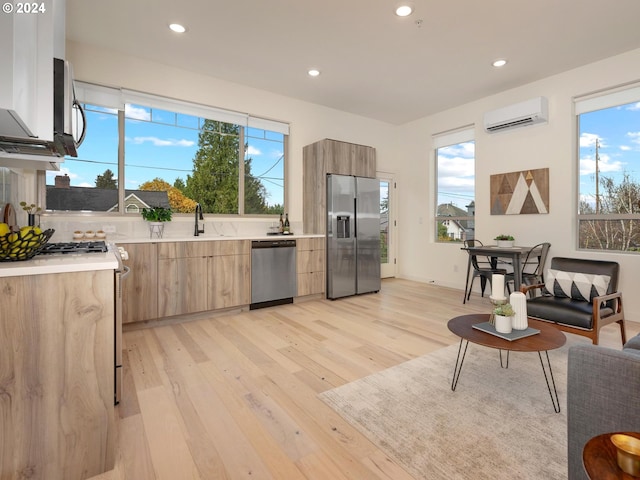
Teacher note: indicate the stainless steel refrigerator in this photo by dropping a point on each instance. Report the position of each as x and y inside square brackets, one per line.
[353, 235]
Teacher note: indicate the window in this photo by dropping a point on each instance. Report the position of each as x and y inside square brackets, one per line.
[609, 171]
[455, 191]
[144, 150]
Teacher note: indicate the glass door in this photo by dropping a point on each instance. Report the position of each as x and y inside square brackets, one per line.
[387, 227]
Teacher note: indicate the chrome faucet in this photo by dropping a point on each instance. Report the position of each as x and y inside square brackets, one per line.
[198, 213]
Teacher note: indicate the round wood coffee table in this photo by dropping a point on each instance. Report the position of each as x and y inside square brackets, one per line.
[549, 338]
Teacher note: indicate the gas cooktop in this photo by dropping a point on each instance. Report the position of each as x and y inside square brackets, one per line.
[74, 247]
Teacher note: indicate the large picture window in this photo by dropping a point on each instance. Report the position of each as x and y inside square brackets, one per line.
[609, 171]
[152, 151]
[455, 192]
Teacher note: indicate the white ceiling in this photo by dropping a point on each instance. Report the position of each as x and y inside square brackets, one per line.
[373, 63]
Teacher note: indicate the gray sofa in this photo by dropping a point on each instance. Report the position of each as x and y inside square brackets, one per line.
[603, 395]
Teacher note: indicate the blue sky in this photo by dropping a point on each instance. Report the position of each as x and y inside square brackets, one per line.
[618, 133]
[163, 148]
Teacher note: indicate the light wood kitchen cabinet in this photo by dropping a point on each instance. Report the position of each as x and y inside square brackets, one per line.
[330, 156]
[57, 375]
[182, 286]
[230, 274]
[310, 265]
[203, 275]
[140, 289]
[182, 277]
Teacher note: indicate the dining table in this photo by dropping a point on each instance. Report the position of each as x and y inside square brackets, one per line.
[513, 254]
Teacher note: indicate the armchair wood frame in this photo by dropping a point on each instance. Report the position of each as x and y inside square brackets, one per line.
[598, 320]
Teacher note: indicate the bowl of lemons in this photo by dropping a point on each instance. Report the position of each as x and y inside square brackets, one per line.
[22, 244]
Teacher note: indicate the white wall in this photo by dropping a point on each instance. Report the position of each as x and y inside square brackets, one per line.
[407, 152]
[552, 145]
[309, 122]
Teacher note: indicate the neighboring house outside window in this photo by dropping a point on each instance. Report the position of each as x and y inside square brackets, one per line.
[455, 189]
[609, 171]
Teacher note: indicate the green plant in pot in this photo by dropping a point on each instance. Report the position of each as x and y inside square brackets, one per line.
[156, 216]
[503, 318]
[505, 240]
[506, 310]
[32, 210]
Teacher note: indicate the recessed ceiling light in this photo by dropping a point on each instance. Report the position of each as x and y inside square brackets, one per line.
[404, 10]
[176, 27]
[499, 63]
[314, 72]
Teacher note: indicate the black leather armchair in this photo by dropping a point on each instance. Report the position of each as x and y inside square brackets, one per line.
[564, 303]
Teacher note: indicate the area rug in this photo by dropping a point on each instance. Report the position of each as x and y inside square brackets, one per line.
[498, 424]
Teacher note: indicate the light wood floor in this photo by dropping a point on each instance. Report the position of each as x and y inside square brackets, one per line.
[235, 396]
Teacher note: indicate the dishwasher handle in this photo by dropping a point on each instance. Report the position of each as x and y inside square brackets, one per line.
[273, 243]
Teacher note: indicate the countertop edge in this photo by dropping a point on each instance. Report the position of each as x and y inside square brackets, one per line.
[204, 238]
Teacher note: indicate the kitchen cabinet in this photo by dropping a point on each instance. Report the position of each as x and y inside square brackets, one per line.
[140, 289]
[182, 278]
[310, 265]
[330, 156]
[57, 375]
[29, 43]
[229, 274]
[203, 275]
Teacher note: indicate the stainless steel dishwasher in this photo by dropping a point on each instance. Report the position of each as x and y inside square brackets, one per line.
[273, 272]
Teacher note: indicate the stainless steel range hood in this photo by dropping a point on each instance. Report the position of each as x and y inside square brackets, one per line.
[29, 153]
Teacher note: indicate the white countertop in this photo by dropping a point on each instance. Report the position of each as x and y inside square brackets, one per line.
[79, 262]
[60, 263]
[205, 238]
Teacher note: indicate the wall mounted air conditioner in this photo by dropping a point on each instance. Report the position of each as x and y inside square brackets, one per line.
[521, 114]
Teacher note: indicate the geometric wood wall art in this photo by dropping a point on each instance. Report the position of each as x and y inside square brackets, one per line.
[520, 192]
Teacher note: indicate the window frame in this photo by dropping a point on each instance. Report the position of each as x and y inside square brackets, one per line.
[583, 104]
[449, 138]
[117, 98]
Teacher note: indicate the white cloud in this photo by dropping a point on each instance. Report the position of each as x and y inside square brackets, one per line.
[625, 148]
[159, 142]
[253, 151]
[66, 171]
[465, 150]
[589, 140]
[456, 183]
[634, 136]
[455, 167]
[605, 165]
[136, 113]
[634, 106]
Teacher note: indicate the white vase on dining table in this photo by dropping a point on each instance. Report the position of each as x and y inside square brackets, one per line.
[505, 243]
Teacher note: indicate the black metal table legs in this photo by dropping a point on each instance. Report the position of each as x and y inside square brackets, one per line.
[546, 370]
[554, 394]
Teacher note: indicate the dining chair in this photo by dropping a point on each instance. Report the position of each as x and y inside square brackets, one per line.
[532, 267]
[483, 267]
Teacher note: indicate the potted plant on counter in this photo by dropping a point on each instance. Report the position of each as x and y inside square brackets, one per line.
[503, 318]
[32, 210]
[156, 216]
[505, 241]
